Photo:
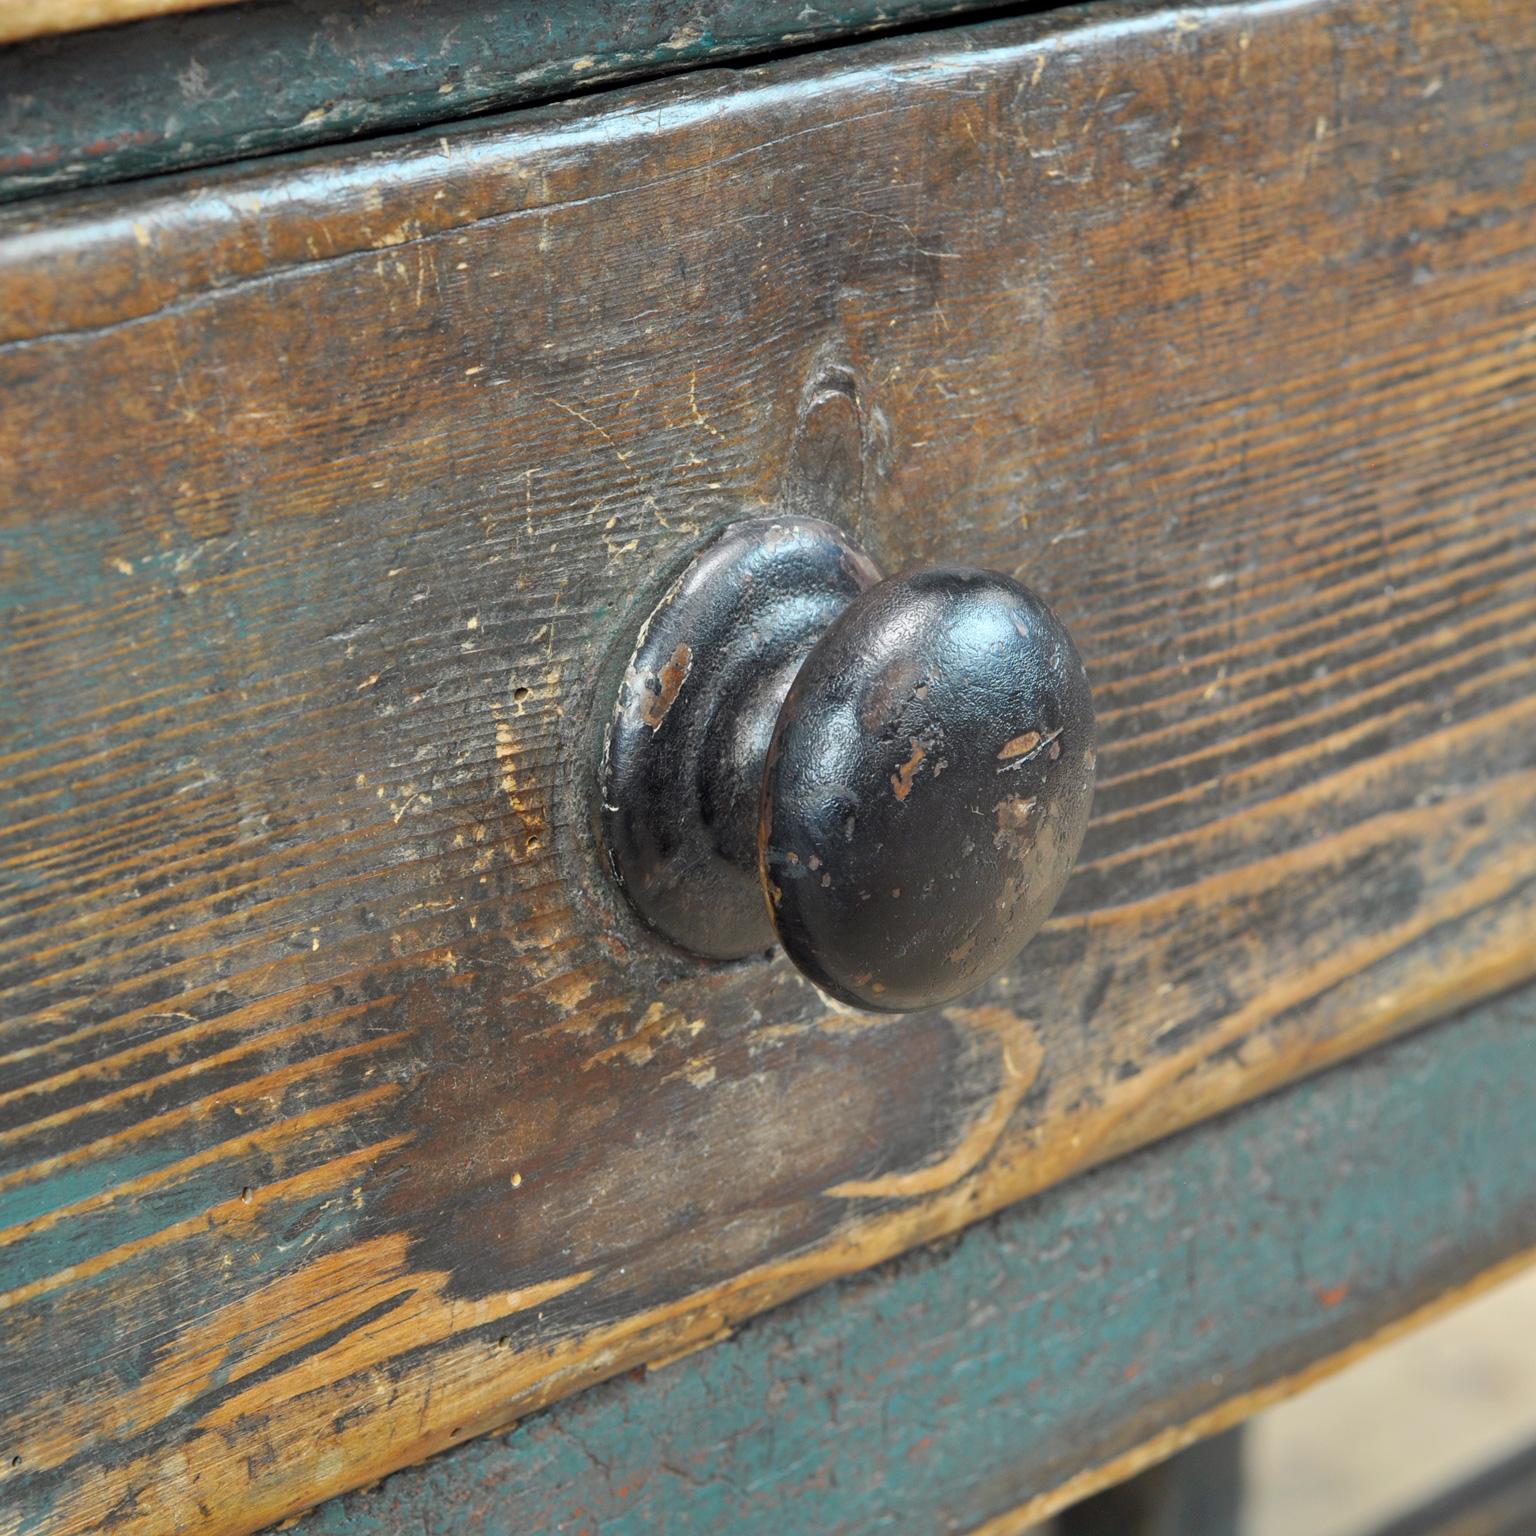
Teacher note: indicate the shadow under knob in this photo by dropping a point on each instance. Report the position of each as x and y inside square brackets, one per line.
[891, 777]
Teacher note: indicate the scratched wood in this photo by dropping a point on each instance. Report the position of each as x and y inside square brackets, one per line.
[238, 80]
[979, 1385]
[341, 1115]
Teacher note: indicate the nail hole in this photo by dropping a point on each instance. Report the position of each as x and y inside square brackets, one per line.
[519, 694]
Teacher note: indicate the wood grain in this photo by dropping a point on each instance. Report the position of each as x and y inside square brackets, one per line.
[341, 1116]
[233, 81]
[1071, 1340]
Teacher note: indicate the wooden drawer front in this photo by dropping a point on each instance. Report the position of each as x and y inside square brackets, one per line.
[342, 1115]
[978, 1386]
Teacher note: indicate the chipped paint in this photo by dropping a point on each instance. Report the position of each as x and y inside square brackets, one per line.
[901, 780]
[1019, 745]
[1023, 749]
[660, 693]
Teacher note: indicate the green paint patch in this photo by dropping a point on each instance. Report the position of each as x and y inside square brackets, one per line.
[953, 1384]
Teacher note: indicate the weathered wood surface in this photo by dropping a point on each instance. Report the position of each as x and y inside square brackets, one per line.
[1058, 1344]
[233, 81]
[341, 1117]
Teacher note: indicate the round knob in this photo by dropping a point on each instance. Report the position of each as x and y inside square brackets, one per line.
[902, 768]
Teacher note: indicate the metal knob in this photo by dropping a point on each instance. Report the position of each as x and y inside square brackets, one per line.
[892, 778]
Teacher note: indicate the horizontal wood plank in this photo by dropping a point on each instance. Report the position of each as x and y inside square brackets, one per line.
[229, 81]
[985, 1383]
[341, 1115]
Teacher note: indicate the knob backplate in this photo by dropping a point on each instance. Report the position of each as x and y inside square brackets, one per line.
[681, 757]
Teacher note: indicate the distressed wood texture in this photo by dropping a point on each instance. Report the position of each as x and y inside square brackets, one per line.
[230, 82]
[1059, 1345]
[341, 1115]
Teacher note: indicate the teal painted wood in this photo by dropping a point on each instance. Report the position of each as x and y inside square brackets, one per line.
[224, 84]
[955, 1383]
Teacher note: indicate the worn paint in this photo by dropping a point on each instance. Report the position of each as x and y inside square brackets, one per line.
[1027, 742]
[170, 93]
[901, 780]
[1317, 814]
[658, 694]
[959, 1383]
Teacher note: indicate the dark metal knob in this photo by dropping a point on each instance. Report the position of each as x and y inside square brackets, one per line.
[903, 768]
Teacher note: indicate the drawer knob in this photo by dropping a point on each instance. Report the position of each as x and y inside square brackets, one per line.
[892, 777]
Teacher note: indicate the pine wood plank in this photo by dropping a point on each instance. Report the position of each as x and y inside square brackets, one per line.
[340, 1116]
[981, 1385]
[226, 82]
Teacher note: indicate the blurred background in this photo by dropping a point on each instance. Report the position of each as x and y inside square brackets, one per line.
[1365, 1451]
